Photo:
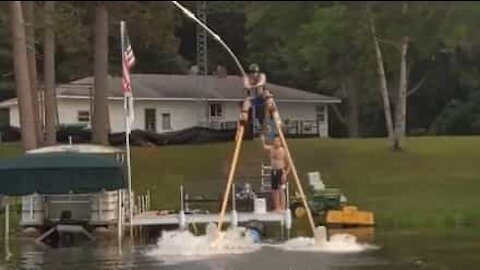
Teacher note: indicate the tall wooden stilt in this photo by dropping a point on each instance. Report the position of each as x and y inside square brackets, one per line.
[278, 123]
[233, 167]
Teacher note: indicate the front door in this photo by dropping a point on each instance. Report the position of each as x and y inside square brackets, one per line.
[151, 120]
[322, 123]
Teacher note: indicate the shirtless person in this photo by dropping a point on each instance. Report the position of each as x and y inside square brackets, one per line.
[280, 170]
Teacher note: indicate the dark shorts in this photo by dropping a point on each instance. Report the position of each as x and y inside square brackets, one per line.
[276, 179]
[259, 103]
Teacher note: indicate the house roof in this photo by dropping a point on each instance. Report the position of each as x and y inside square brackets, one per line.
[166, 86]
[184, 87]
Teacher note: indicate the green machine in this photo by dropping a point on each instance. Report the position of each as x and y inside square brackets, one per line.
[320, 199]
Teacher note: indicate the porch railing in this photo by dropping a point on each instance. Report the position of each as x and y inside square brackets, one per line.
[292, 127]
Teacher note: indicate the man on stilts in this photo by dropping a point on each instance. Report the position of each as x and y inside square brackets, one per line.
[258, 98]
[269, 103]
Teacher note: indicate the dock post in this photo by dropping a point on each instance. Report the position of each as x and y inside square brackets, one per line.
[282, 229]
[234, 209]
[181, 218]
[288, 212]
[7, 228]
[99, 205]
[148, 200]
[288, 222]
[119, 217]
[145, 203]
[139, 203]
[31, 206]
[181, 198]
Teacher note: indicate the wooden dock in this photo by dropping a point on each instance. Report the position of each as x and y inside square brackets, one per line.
[150, 218]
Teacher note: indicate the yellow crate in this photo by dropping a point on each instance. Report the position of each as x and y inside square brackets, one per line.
[350, 215]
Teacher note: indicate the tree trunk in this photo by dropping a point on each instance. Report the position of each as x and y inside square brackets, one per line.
[401, 104]
[383, 83]
[100, 114]
[350, 120]
[22, 79]
[49, 74]
[29, 11]
[343, 120]
[352, 104]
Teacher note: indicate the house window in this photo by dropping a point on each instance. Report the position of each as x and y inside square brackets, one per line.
[166, 121]
[321, 113]
[216, 110]
[150, 120]
[83, 116]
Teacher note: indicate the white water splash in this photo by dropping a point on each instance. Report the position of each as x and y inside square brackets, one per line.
[339, 243]
[176, 244]
[181, 246]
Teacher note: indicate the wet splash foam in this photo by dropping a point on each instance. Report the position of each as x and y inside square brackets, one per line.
[181, 246]
[174, 244]
[339, 243]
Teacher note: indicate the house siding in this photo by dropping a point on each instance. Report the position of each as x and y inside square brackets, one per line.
[183, 114]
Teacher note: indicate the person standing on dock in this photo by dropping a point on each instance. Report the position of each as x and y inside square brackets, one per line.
[280, 170]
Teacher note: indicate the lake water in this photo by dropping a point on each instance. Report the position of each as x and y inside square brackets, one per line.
[455, 249]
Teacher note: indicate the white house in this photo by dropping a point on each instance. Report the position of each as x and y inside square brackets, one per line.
[166, 103]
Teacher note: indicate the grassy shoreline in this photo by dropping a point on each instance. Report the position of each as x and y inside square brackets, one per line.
[433, 183]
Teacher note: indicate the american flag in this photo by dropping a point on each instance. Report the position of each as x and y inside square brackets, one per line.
[128, 61]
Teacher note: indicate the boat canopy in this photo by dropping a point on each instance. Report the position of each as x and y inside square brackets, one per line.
[77, 148]
[60, 173]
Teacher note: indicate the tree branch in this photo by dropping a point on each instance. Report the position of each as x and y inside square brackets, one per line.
[389, 42]
[409, 67]
[8, 74]
[417, 86]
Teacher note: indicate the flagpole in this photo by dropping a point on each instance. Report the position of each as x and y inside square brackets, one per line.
[127, 136]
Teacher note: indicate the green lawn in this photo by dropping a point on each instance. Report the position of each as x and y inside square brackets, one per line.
[434, 183]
